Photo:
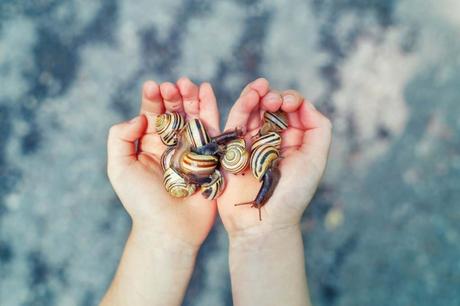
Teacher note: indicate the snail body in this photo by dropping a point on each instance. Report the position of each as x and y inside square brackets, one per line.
[236, 157]
[175, 185]
[214, 188]
[168, 125]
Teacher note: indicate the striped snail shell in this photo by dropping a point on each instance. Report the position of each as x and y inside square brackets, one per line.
[175, 185]
[272, 139]
[198, 165]
[262, 158]
[214, 188]
[274, 122]
[236, 157]
[167, 125]
[196, 133]
[166, 158]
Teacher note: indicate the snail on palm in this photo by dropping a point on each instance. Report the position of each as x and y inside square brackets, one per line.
[265, 156]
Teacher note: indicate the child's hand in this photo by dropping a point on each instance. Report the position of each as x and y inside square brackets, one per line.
[305, 146]
[136, 174]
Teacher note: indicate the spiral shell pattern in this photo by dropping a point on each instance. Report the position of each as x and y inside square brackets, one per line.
[167, 125]
[276, 121]
[196, 133]
[175, 185]
[214, 188]
[262, 158]
[272, 139]
[198, 165]
[166, 158]
[236, 157]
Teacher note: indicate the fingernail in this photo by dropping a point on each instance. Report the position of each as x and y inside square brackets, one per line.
[271, 97]
[310, 105]
[289, 99]
[134, 120]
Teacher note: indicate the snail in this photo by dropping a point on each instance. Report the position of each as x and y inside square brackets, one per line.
[214, 188]
[167, 126]
[236, 157]
[274, 122]
[166, 158]
[175, 185]
[197, 165]
[265, 156]
[196, 134]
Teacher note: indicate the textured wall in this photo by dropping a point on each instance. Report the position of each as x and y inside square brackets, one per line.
[384, 228]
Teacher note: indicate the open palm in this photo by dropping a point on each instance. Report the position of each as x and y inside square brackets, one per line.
[136, 174]
[304, 150]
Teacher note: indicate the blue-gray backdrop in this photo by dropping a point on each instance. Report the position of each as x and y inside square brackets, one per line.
[384, 228]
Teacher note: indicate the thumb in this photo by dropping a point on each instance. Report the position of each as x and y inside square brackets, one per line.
[121, 143]
[317, 136]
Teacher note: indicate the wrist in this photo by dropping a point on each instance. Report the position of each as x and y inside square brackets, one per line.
[164, 247]
[267, 237]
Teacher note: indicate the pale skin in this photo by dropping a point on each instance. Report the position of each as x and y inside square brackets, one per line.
[266, 257]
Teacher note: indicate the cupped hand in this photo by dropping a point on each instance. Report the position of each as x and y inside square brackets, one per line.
[135, 171]
[304, 151]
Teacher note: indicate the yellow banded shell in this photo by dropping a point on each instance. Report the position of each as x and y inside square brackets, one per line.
[236, 157]
[167, 126]
[198, 165]
[262, 158]
[196, 133]
[166, 158]
[214, 188]
[175, 185]
[272, 139]
[274, 122]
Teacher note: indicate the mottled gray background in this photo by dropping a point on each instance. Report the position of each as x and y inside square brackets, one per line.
[384, 228]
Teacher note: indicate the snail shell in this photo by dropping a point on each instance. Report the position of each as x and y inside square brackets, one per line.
[167, 125]
[175, 185]
[274, 122]
[214, 188]
[196, 133]
[236, 157]
[198, 165]
[262, 158]
[272, 139]
[166, 158]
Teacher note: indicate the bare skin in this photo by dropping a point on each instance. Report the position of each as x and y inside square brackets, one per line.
[268, 254]
[166, 232]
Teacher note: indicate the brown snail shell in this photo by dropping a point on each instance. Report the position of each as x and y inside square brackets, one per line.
[236, 157]
[175, 185]
[166, 158]
[198, 165]
[274, 122]
[271, 138]
[262, 158]
[196, 133]
[168, 125]
[214, 188]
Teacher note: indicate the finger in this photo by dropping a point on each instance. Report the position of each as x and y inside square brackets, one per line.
[209, 112]
[260, 85]
[317, 137]
[271, 101]
[121, 146]
[172, 98]
[189, 92]
[152, 104]
[242, 109]
[292, 100]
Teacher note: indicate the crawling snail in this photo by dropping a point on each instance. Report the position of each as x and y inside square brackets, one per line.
[265, 156]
